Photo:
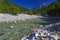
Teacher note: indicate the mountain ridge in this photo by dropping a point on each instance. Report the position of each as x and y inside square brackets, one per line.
[52, 9]
[8, 7]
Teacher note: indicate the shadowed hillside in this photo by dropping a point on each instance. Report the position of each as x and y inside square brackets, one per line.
[52, 9]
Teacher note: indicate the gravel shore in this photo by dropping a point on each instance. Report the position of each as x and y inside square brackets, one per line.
[49, 30]
[9, 17]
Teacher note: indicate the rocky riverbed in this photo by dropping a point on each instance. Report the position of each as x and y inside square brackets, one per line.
[48, 30]
[42, 34]
[18, 17]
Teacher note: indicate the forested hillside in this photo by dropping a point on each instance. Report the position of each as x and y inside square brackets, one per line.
[53, 9]
[7, 7]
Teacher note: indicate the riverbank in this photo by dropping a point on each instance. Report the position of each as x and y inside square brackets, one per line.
[42, 33]
[48, 30]
[18, 17]
[24, 27]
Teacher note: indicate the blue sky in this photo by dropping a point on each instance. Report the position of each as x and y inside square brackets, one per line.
[30, 3]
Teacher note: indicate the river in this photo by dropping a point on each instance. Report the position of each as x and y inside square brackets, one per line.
[50, 25]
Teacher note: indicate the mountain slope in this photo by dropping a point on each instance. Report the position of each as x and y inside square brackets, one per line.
[53, 9]
[7, 7]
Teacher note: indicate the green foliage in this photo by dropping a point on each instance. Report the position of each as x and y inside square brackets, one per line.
[7, 7]
[53, 9]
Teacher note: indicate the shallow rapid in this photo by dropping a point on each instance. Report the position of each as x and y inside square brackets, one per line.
[48, 30]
